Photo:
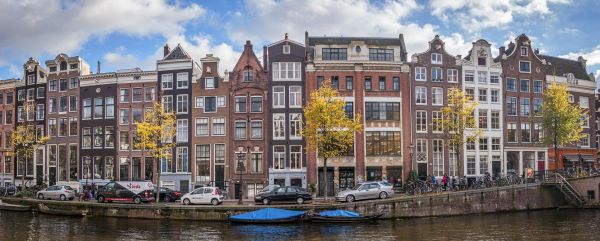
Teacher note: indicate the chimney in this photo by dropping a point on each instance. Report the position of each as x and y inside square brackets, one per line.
[286, 36]
[511, 45]
[536, 51]
[226, 78]
[248, 45]
[501, 50]
[265, 60]
[166, 50]
[582, 61]
[98, 69]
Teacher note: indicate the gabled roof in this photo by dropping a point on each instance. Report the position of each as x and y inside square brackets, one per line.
[177, 53]
[561, 67]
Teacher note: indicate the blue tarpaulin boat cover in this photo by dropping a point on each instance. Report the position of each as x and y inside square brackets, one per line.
[339, 213]
[267, 214]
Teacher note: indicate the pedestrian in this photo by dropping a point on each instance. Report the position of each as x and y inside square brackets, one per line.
[445, 181]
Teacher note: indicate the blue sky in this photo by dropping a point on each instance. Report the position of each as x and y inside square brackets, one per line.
[127, 34]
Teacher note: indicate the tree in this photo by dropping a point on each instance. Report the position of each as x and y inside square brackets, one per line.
[561, 119]
[155, 135]
[328, 131]
[26, 138]
[458, 122]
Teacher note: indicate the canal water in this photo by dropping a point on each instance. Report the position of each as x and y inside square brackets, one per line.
[536, 225]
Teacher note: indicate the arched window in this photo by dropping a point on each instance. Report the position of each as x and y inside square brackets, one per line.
[248, 74]
[63, 65]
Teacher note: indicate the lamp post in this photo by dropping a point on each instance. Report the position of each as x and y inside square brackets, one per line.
[411, 152]
[241, 167]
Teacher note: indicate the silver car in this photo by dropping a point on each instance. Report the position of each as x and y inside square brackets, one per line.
[57, 192]
[366, 190]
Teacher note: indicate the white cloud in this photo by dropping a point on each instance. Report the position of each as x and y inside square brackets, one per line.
[49, 26]
[592, 56]
[268, 20]
[476, 15]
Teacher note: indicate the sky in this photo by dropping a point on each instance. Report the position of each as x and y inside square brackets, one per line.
[124, 34]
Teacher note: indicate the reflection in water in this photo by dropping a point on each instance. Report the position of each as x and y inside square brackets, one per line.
[550, 224]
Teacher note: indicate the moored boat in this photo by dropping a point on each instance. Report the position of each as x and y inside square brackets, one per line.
[77, 213]
[268, 215]
[342, 216]
[13, 207]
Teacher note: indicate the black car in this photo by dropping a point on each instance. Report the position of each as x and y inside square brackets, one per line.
[283, 194]
[169, 195]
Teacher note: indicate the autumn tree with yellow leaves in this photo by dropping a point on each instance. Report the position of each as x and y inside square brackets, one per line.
[156, 136]
[328, 130]
[25, 138]
[560, 119]
[458, 122]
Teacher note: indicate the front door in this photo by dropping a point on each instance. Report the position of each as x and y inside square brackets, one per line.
[541, 166]
[39, 177]
[422, 171]
[237, 191]
[496, 169]
[329, 182]
[52, 176]
[220, 176]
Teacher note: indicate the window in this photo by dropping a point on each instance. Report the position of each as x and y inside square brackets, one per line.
[471, 165]
[149, 93]
[295, 126]
[470, 145]
[483, 95]
[73, 126]
[525, 66]
[278, 157]
[256, 130]
[483, 144]
[124, 116]
[585, 140]
[481, 61]
[9, 98]
[41, 92]
[537, 106]
[334, 53]
[137, 94]
[511, 132]
[62, 127]
[482, 77]
[137, 115]
[256, 162]
[421, 95]
[571, 98]
[287, 71]
[436, 121]
[21, 95]
[538, 86]
[437, 96]
[538, 135]
[109, 140]
[220, 153]
[421, 150]
[64, 104]
[436, 58]
[524, 51]
[483, 165]
[9, 117]
[452, 75]
[73, 83]
[167, 161]
[368, 84]
[182, 80]
[525, 106]
[349, 82]
[524, 85]
[295, 96]
[203, 162]
[182, 104]
[256, 104]
[218, 127]
[182, 130]
[279, 126]
[494, 78]
[86, 139]
[181, 162]
[379, 54]
[420, 74]
[382, 82]
[295, 157]
[584, 102]
[585, 121]
[286, 49]
[72, 103]
[124, 140]
[278, 97]
[483, 118]
[349, 109]
[220, 101]
[469, 76]
[421, 121]
[209, 103]
[396, 83]
[495, 144]
[525, 132]
[209, 83]
[382, 111]
[110, 107]
[383, 143]
[470, 93]
[436, 75]
[494, 96]
[20, 114]
[63, 85]
[52, 128]
[511, 106]
[495, 119]
[51, 105]
[511, 84]
[167, 81]
[240, 104]
[248, 74]
[52, 85]
[438, 157]
[98, 137]
[30, 94]
[98, 105]
[39, 110]
[240, 130]
[87, 108]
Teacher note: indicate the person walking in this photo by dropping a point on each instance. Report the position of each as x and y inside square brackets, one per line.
[445, 181]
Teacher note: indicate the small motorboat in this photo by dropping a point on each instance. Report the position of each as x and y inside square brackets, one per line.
[76, 213]
[342, 216]
[13, 207]
[268, 215]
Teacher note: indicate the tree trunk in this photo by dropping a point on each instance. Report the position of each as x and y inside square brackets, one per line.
[325, 177]
[157, 180]
[556, 161]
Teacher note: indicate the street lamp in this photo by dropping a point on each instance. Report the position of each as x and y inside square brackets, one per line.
[240, 167]
[411, 152]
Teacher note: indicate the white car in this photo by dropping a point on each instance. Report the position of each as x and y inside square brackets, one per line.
[203, 195]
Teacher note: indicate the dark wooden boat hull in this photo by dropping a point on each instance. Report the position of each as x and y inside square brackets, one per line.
[74, 213]
[14, 208]
[320, 219]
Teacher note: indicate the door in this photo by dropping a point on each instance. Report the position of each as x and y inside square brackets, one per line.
[395, 176]
[39, 171]
[496, 169]
[541, 166]
[237, 191]
[52, 176]
[220, 176]
[422, 171]
[329, 182]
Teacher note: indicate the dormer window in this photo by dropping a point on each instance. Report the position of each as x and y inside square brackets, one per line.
[74, 66]
[524, 51]
[53, 69]
[286, 49]
[481, 61]
[436, 58]
[209, 83]
[248, 74]
[63, 65]
[207, 69]
[31, 79]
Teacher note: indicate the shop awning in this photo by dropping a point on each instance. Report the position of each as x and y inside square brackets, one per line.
[575, 158]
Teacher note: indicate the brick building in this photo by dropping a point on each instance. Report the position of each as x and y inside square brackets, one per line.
[368, 73]
[433, 73]
[7, 110]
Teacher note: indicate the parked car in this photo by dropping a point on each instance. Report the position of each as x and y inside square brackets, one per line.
[366, 190]
[169, 195]
[56, 192]
[8, 190]
[283, 194]
[203, 195]
[126, 191]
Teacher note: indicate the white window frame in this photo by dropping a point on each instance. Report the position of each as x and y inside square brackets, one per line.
[436, 58]
[452, 75]
[420, 90]
[166, 80]
[279, 124]
[420, 74]
[296, 94]
[277, 97]
[437, 99]
[183, 81]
